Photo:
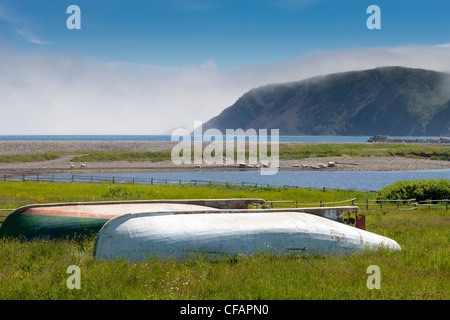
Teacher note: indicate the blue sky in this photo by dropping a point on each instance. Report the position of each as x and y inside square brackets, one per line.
[233, 33]
[150, 66]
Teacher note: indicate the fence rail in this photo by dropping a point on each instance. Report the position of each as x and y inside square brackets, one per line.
[296, 204]
[401, 204]
[435, 204]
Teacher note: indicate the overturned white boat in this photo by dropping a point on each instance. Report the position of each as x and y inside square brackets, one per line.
[179, 234]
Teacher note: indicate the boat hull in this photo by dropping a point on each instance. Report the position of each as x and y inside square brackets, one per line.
[30, 226]
[137, 237]
[69, 219]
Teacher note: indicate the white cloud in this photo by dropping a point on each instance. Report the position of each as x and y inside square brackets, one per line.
[444, 45]
[44, 93]
[18, 23]
[30, 37]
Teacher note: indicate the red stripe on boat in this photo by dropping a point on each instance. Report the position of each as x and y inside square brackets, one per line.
[67, 213]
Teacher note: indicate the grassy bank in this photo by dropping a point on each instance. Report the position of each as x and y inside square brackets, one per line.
[15, 158]
[286, 151]
[103, 156]
[301, 151]
[37, 269]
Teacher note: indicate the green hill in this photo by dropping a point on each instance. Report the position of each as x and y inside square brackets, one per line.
[393, 101]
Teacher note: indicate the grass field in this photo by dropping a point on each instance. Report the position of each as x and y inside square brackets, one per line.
[37, 269]
[300, 151]
[14, 158]
[286, 151]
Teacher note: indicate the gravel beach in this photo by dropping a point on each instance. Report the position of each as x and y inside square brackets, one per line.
[63, 164]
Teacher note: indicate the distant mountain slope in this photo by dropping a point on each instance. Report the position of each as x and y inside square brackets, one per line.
[391, 101]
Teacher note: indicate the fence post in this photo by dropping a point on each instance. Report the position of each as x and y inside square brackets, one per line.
[446, 204]
[367, 205]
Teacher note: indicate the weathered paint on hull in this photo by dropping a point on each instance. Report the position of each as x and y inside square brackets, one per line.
[48, 226]
[140, 236]
[68, 219]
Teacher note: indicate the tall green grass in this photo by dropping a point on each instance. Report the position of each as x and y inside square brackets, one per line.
[37, 269]
[13, 193]
[14, 158]
[103, 156]
[299, 150]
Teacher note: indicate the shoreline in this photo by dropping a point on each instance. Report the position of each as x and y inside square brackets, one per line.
[63, 163]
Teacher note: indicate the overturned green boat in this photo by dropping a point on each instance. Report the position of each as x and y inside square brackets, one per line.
[70, 219]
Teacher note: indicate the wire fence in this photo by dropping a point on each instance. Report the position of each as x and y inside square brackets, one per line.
[403, 204]
[296, 204]
[133, 180]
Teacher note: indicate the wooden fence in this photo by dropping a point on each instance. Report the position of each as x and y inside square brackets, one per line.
[368, 204]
